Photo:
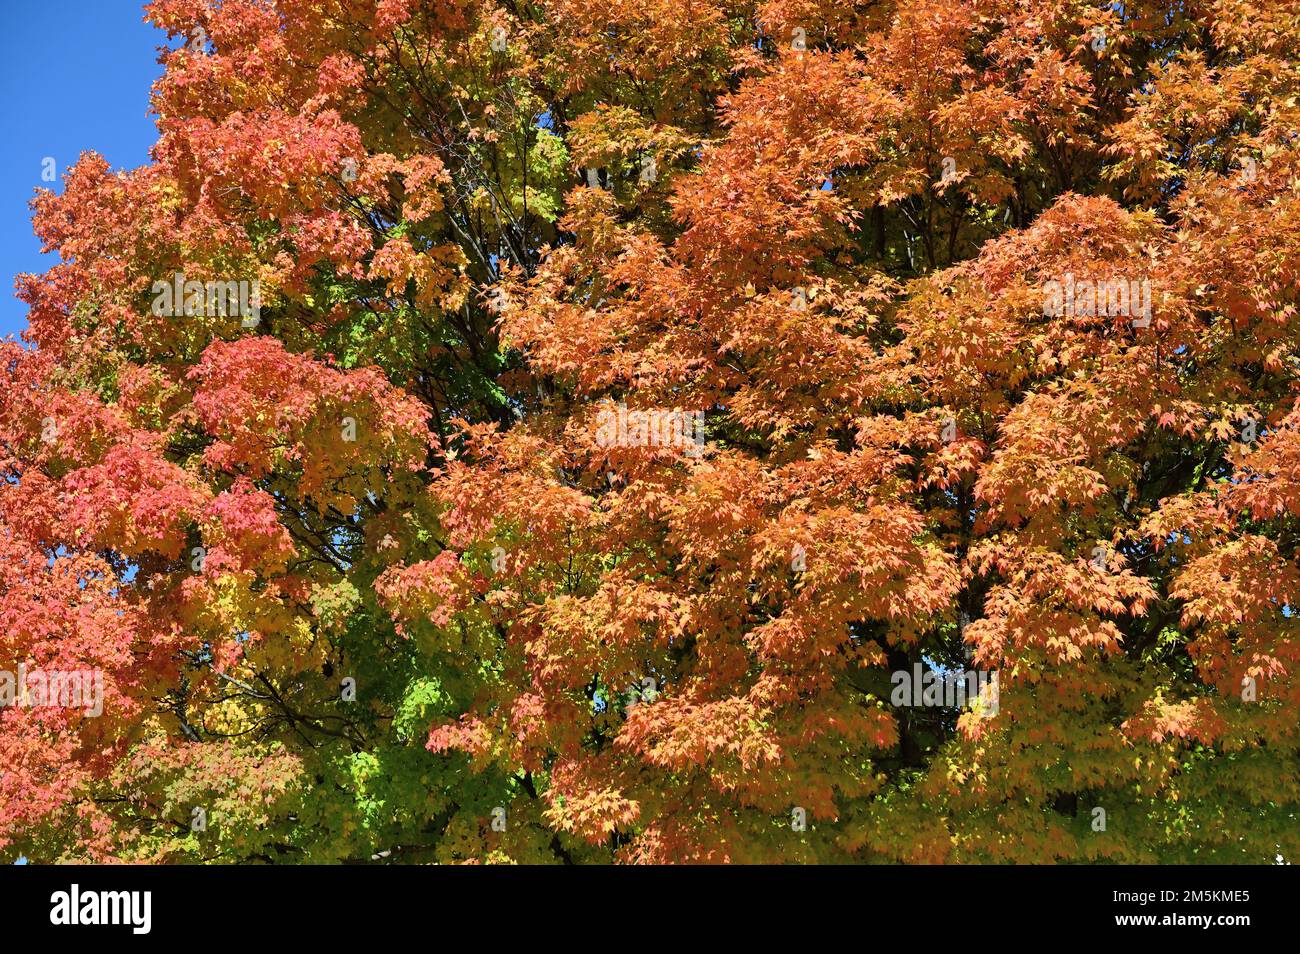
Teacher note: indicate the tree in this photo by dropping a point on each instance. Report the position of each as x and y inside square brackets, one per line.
[508, 433]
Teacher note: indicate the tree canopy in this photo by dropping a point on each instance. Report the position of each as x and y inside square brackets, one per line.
[548, 432]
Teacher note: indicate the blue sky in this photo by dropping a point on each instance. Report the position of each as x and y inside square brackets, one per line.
[74, 76]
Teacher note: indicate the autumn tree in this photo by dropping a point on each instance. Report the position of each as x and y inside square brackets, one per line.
[628, 399]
